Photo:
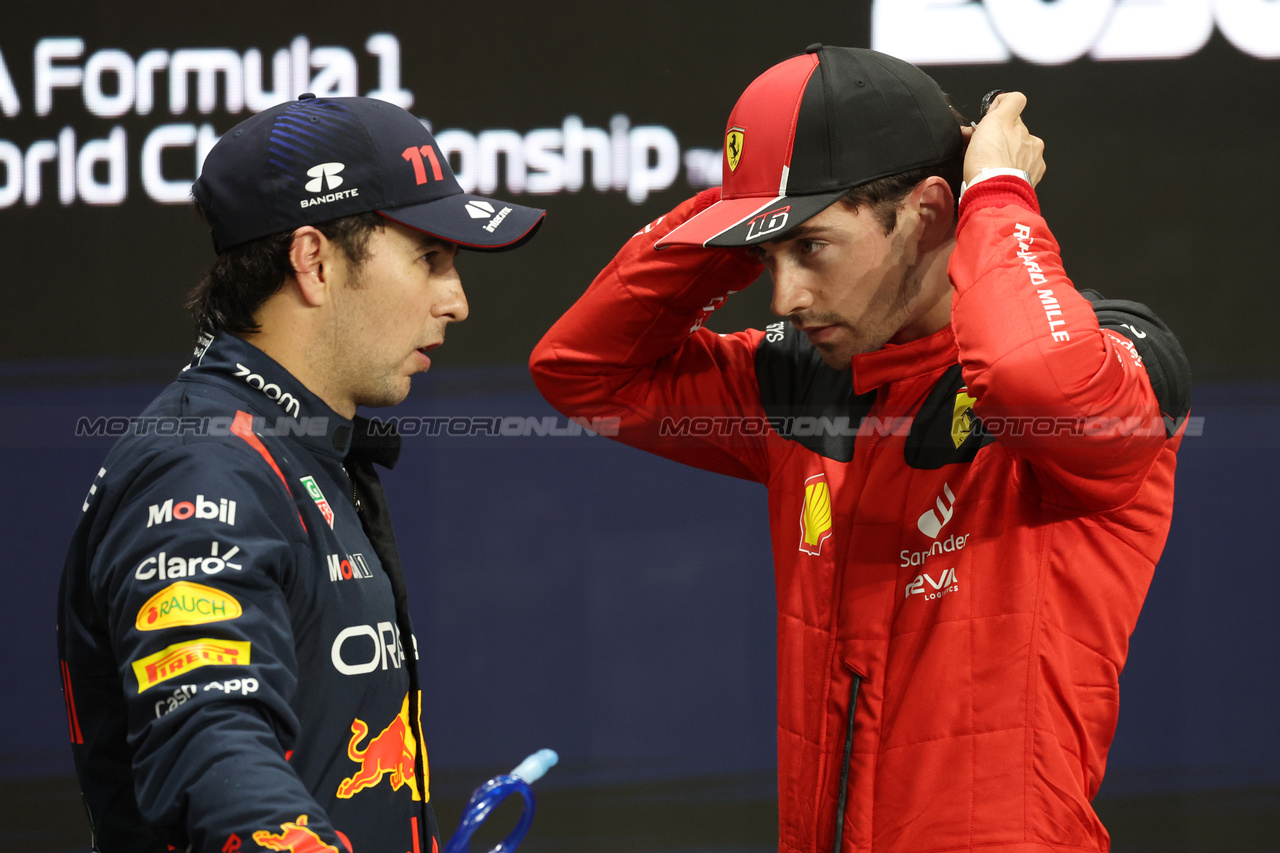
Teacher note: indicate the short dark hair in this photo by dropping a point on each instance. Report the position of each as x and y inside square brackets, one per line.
[246, 276]
[884, 196]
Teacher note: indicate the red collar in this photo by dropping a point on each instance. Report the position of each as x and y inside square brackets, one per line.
[894, 362]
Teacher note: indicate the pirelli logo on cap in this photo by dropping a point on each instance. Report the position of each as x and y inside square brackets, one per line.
[185, 603]
[181, 658]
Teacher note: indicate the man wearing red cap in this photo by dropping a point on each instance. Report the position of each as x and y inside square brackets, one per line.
[970, 463]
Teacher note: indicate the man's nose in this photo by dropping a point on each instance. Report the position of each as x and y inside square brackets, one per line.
[453, 304]
[789, 291]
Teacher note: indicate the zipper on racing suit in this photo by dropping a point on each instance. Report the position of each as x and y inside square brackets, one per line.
[848, 755]
[355, 496]
[388, 556]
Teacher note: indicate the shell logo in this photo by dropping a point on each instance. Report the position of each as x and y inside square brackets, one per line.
[815, 517]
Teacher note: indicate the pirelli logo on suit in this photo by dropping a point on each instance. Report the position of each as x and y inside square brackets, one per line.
[184, 657]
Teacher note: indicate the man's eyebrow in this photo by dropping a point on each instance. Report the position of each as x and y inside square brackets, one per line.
[805, 231]
[429, 241]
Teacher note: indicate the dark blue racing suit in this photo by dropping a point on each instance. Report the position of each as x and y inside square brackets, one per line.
[234, 634]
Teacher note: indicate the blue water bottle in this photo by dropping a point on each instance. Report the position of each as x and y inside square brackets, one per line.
[497, 789]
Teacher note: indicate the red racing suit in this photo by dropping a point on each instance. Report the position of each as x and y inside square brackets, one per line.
[964, 526]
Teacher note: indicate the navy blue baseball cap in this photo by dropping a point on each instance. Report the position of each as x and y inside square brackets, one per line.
[316, 159]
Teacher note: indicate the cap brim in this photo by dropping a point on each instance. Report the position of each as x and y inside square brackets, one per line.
[747, 221]
[472, 221]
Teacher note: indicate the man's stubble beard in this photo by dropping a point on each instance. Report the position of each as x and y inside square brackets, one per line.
[370, 387]
[387, 392]
[899, 298]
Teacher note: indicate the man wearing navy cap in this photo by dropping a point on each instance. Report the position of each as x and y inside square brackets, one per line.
[237, 655]
[970, 463]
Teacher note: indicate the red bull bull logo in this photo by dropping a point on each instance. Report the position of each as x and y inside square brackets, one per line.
[389, 753]
[294, 837]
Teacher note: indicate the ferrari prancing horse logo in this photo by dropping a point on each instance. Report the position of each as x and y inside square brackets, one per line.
[962, 419]
[733, 147]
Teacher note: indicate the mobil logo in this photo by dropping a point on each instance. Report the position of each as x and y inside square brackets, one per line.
[350, 567]
[222, 510]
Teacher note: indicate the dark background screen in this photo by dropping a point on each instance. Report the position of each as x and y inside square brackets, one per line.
[577, 594]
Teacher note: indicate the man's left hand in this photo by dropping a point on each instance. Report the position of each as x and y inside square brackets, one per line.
[1002, 141]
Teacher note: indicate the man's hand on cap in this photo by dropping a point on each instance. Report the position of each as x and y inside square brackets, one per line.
[1002, 141]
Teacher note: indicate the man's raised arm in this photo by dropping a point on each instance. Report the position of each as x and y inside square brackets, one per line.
[633, 348]
[1088, 389]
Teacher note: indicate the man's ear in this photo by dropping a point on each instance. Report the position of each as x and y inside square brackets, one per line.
[311, 259]
[937, 207]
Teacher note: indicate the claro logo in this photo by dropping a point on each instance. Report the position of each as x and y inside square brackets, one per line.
[1051, 32]
[164, 566]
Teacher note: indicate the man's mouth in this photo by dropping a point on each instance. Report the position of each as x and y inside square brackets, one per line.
[818, 334]
[423, 358]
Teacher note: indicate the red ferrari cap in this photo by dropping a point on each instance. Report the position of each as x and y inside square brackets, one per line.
[813, 127]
